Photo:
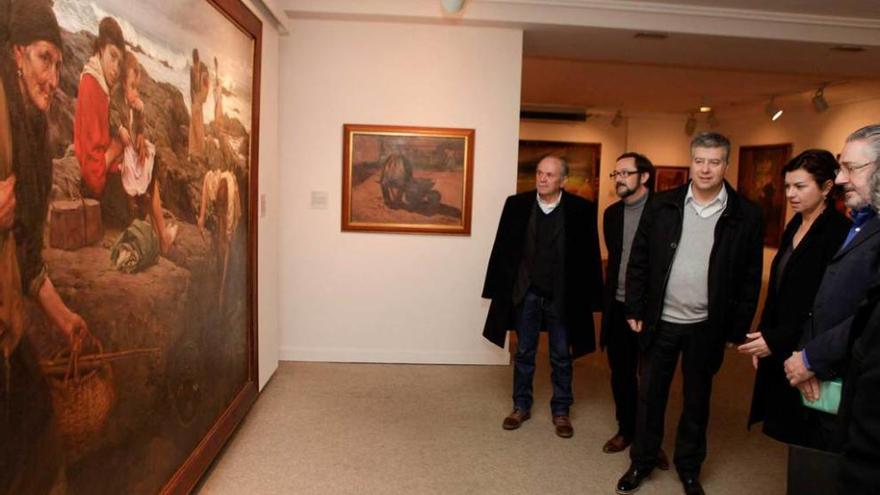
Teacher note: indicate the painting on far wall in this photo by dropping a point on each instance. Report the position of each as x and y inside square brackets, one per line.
[149, 245]
[760, 179]
[669, 177]
[583, 165]
[407, 179]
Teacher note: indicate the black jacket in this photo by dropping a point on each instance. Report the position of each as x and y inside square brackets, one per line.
[734, 268]
[843, 287]
[612, 227]
[774, 401]
[582, 270]
[859, 415]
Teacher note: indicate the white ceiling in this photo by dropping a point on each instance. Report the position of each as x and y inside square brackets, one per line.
[734, 52]
[840, 8]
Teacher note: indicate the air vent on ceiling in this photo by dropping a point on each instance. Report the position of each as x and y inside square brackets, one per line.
[848, 48]
[650, 36]
[564, 114]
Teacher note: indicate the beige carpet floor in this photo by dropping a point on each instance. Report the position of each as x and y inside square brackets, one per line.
[326, 428]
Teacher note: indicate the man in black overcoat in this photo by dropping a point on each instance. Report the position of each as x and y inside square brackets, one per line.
[823, 354]
[545, 273]
[692, 285]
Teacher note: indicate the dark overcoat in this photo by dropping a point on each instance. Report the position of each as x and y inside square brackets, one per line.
[859, 415]
[734, 269]
[787, 307]
[582, 272]
[843, 287]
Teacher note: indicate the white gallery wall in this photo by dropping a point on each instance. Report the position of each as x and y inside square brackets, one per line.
[267, 226]
[376, 297]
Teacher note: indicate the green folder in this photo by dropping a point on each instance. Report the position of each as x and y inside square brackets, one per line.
[829, 396]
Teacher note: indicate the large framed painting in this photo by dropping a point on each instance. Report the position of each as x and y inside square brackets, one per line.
[407, 179]
[583, 165]
[760, 179]
[669, 177]
[128, 279]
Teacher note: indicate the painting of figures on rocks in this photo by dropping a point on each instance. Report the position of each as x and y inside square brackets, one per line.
[407, 179]
[127, 261]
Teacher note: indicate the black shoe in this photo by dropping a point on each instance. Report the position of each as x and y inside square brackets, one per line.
[692, 486]
[631, 480]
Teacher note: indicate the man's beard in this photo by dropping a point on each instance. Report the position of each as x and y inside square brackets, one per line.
[627, 191]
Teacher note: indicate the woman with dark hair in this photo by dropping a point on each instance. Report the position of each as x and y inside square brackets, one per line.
[30, 460]
[97, 153]
[811, 238]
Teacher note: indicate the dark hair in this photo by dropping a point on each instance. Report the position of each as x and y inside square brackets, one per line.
[820, 164]
[129, 63]
[711, 140]
[109, 33]
[29, 22]
[643, 165]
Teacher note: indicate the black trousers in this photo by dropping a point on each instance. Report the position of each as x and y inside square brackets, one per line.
[622, 346]
[658, 367]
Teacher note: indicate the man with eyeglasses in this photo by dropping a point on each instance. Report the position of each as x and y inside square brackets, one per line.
[633, 178]
[852, 269]
[692, 285]
[545, 273]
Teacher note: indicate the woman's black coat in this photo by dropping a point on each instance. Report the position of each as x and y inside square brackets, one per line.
[774, 401]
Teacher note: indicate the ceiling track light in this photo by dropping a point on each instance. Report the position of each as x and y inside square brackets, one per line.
[772, 109]
[690, 125]
[820, 104]
[617, 120]
[704, 106]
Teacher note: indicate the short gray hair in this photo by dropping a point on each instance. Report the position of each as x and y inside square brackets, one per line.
[870, 134]
[562, 162]
[711, 140]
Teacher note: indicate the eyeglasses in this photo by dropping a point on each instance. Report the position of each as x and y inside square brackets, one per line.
[850, 169]
[623, 174]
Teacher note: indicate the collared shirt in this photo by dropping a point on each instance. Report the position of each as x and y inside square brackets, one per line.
[549, 207]
[859, 218]
[712, 207]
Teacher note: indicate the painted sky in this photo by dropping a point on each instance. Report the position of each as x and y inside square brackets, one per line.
[167, 31]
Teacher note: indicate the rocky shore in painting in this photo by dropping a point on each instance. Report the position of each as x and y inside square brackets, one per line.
[183, 356]
[167, 122]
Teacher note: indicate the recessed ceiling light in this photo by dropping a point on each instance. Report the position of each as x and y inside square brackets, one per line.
[705, 109]
[646, 35]
[848, 48]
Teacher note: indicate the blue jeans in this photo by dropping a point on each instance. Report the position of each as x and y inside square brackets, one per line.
[532, 312]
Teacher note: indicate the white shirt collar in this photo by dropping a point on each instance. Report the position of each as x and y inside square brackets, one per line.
[549, 207]
[718, 203]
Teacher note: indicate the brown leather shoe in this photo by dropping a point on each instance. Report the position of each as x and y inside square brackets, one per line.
[616, 444]
[563, 426]
[662, 461]
[515, 419]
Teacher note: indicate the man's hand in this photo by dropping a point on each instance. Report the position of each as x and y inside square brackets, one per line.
[810, 389]
[757, 346]
[7, 202]
[635, 325]
[795, 370]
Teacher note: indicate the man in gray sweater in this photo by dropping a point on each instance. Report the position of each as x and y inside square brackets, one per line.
[692, 284]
